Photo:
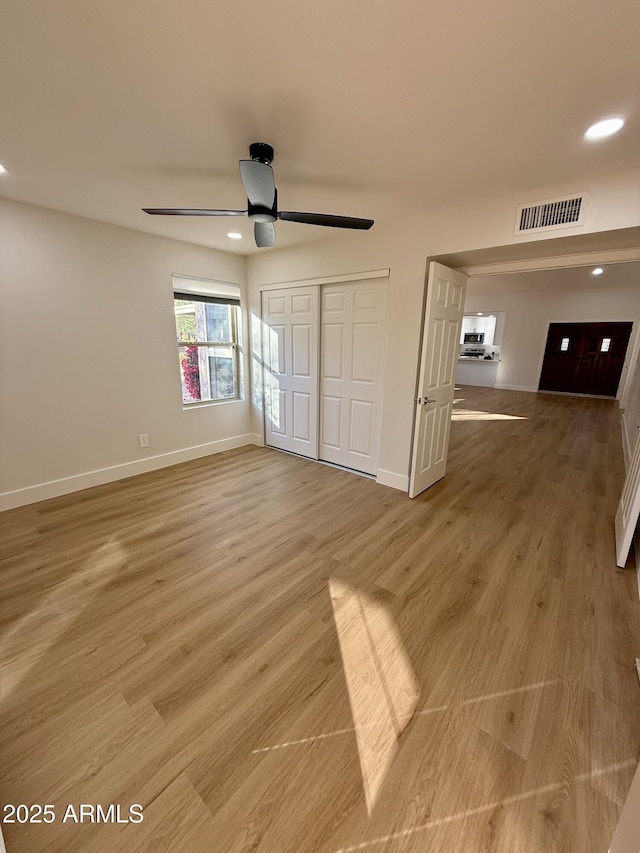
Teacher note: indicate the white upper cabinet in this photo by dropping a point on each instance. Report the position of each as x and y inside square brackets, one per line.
[484, 324]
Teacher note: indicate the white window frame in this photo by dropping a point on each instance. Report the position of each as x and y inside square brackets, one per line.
[221, 294]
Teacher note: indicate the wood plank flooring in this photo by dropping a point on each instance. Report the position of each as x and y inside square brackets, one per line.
[272, 655]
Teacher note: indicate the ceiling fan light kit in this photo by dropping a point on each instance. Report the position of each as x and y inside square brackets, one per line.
[262, 202]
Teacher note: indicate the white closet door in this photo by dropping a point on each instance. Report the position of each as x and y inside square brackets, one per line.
[351, 373]
[290, 355]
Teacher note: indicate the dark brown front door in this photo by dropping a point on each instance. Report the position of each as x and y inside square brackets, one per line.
[584, 358]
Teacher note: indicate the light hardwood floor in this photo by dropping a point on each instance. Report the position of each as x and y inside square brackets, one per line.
[269, 654]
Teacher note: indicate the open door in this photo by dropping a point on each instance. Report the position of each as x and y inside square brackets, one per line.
[446, 290]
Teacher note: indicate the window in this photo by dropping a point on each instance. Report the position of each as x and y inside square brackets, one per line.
[207, 334]
[604, 346]
[564, 345]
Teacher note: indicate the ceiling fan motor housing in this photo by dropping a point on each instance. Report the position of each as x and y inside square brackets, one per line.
[260, 213]
[261, 152]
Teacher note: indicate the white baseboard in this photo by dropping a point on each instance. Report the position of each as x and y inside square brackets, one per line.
[256, 439]
[517, 387]
[390, 478]
[66, 485]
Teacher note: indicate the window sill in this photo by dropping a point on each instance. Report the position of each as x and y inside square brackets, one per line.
[205, 404]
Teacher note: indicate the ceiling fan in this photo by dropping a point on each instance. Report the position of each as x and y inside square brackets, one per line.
[262, 202]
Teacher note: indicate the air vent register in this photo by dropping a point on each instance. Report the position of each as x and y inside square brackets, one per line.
[551, 214]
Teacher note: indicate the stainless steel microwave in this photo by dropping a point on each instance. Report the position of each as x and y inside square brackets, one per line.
[474, 337]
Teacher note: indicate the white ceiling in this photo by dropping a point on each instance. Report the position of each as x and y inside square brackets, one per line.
[572, 278]
[375, 108]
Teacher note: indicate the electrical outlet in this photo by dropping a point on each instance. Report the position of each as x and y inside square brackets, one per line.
[143, 440]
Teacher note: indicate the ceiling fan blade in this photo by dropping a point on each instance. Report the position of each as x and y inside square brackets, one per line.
[326, 219]
[259, 183]
[187, 211]
[265, 234]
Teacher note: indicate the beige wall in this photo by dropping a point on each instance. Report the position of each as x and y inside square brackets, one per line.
[88, 357]
[87, 352]
[404, 247]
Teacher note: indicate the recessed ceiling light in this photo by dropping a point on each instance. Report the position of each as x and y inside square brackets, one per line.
[604, 128]
[597, 271]
[2, 169]
[479, 314]
[234, 235]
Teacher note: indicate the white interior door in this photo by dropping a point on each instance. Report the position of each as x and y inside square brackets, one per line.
[628, 508]
[290, 355]
[446, 290]
[351, 373]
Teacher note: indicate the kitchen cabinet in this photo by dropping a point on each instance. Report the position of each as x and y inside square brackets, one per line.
[484, 324]
[475, 371]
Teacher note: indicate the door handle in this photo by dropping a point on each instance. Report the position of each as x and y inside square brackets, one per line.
[424, 401]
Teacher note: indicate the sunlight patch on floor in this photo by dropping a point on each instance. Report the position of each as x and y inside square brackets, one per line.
[382, 686]
[507, 801]
[24, 645]
[469, 415]
[405, 718]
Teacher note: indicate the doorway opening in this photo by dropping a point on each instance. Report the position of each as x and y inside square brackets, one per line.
[534, 291]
